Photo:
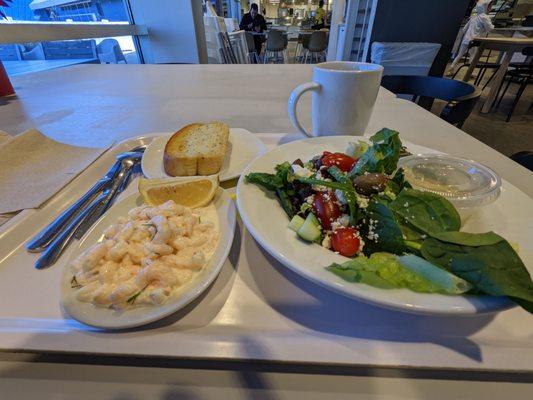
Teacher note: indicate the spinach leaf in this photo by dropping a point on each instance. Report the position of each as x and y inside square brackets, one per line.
[381, 229]
[284, 172]
[280, 183]
[469, 239]
[409, 231]
[399, 179]
[286, 203]
[382, 156]
[320, 182]
[426, 211]
[267, 181]
[494, 269]
[526, 305]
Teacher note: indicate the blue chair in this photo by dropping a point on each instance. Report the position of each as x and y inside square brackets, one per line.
[461, 96]
[33, 53]
[524, 158]
[520, 73]
[109, 52]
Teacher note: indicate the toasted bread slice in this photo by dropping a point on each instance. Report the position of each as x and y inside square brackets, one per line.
[196, 149]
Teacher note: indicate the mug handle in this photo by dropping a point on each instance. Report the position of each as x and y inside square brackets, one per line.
[293, 103]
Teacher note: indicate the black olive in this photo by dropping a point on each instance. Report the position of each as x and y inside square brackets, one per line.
[317, 162]
[369, 184]
[303, 191]
[298, 162]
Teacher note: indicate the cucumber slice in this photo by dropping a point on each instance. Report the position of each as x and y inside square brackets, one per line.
[296, 223]
[313, 219]
[310, 230]
[449, 283]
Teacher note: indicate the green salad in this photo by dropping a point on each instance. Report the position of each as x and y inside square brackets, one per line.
[359, 204]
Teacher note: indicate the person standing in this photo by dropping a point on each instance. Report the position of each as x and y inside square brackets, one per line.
[478, 25]
[252, 21]
[320, 16]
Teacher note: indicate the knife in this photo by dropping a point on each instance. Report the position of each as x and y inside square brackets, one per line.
[61, 241]
[118, 187]
[39, 242]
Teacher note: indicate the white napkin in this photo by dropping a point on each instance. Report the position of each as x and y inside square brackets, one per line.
[34, 167]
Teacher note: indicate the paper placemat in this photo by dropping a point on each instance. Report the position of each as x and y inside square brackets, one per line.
[34, 167]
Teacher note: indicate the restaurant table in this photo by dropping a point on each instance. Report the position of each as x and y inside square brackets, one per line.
[508, 46]
[515, 30]
[337, 347]
[14, 68]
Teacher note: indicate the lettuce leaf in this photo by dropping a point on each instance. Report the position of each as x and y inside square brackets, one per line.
[382, 156]
[382, 270]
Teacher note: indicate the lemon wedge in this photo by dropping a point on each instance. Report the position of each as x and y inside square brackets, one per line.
[191, 192]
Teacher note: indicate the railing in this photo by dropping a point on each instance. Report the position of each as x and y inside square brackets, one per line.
[22, 32]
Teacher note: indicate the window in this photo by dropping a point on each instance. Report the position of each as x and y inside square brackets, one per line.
[120, 49]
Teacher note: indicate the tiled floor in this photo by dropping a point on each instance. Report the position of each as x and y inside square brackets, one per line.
[506, 137]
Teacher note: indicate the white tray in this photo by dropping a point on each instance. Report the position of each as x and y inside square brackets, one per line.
[255, 310]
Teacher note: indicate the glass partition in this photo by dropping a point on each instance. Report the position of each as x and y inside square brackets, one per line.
[29, 57]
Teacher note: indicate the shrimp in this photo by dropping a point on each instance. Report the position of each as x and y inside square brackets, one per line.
[107, 272]
[155, 272]
[102, 294]
[125, 233]
[158, 248]
[138, 212]
[118, 251]
[111, 231]
[154, 250]
[163, 233]
[86, 293]
[195, 262]
[159, 295]
[137, 252]
[92, 257]
[84, 278]
[189, 223]
[141, 233]
[123, 291]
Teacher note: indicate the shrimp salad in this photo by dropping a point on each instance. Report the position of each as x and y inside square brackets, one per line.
[145, 257]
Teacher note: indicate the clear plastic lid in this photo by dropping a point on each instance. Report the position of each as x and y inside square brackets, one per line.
[465, 183]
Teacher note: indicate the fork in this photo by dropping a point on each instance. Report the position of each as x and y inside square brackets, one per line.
[42, 239]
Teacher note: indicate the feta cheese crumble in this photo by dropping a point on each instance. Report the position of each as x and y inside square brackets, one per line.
[301, 172]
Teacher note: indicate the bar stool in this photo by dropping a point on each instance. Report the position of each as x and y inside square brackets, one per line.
[275, 45]
[286, 48]
[318, 44]
[252, 53]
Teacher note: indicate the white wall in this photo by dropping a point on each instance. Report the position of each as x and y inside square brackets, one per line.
[337, 18]
[175, 30]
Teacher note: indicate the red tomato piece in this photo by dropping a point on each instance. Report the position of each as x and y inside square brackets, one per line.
[346, 241]
[326, 208]
[342, 161]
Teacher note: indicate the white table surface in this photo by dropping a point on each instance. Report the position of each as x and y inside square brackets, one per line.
[21, 67]
[94, 105]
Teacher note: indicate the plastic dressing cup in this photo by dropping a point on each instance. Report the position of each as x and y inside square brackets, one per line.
[467, 184]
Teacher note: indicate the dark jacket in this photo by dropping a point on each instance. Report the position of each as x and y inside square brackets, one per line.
[249, 24]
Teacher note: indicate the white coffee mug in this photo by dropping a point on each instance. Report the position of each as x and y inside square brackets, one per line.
[343, 98]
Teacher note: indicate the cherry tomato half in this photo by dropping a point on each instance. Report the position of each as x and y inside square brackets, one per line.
[345, 241]
[326, 208]
[342, 161]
